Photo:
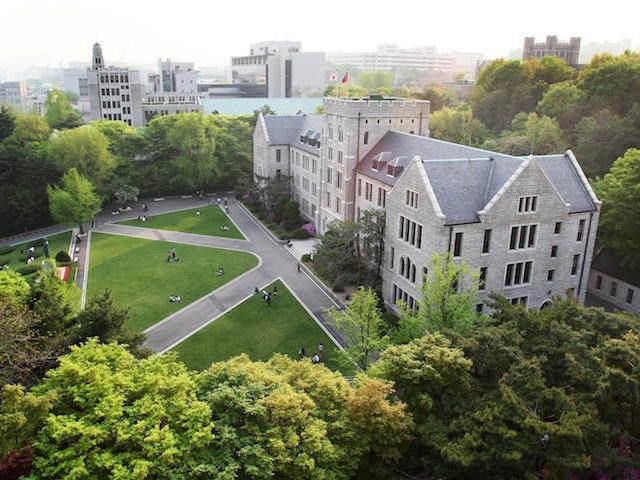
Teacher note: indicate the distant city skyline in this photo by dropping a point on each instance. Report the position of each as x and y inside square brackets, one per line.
[53, 34]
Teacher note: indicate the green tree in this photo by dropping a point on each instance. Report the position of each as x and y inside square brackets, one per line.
[13, 287]
[376, 81]
[75, 203]
[336, 258]
[58, 111]
[457, 125]
[234, 150]
[372, 223]
[7, 122]
[530, 134]
[87, 150]
[104, 320]
[341, 90]
[619, 191]
[55, 305]
[561, 102]
[30, 128]
[291, 216]
[101, 393]
[361, 324]
[601, 138]
[439, 98]
[449, 295]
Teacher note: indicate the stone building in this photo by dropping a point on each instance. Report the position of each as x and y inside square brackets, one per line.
[14, 95]
[567, 51]
[114, 93]
[527, 225]
[613, 285]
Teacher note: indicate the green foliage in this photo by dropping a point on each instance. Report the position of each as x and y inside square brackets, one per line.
[30, 128]
[361, 324]
[560, 102]
[7, 249]
[7, 121]
[28, 269]
[530, 134]
[376, 81]
[62, 257]
[306, 257]
[87, 150]
[448, 300]
[439, 98]
[457, 126]
[300, 234]
[619, 190]
[58, 111]
[291, 216]
[75, 202]
[13, 287]
[101, 392]
[55, 305]
[335, 259]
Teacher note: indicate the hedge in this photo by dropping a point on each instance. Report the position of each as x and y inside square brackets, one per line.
[62, 256]
[300, 234]
[35, 255]
[6, 250]
[28, 269]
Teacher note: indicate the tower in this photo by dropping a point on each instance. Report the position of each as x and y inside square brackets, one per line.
[97, 61]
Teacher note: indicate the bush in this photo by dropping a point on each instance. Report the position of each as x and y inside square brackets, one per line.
[338, 288]
[300, 234]
[4, 260]
[6, 250]
[306, 257]
[28, 269]
[37, 243]
[35, 254]
[291, 216]
[279, 207]
[62, 256]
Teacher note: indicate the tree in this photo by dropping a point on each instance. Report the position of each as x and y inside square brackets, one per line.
[101, 392]
[30, 128]
[87, 150]
[104, 320]
[457, 126]
[529, 135]
[125, 194]
[439, 98]
[619, 190]
[291, 216]
[376, 81]
[561, 102]
[361, 323]
[55, 305]
[264, 110]
[75, 203]
[335, 258]
[448, 301]
[59, 112]
[7, 122]
[341, 90]
[601, 138]
[13, 287]
[234, 150]
[372, 226]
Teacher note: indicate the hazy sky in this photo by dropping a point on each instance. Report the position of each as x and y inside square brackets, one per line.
[208, 32]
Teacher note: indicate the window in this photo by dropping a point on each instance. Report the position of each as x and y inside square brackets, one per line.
[305, 162]
[486, 241]
[340, 134]
[359, 187]
[523, 236]
[339, 179]
[314, 165]
[409, 231]
[368, 191]
[278, 173]
[520, 301]
[330, 153]
[393, 254]
[574, 265]
[329, 176]
[558, 228]
[366, 138]
[554, 251]
[338, 204]
[314, 189]
[298, 158]
[629, 295]
[411, 199]
[482, 284]
[614, 289]
[518, 273]
[340, 157]
[550, 275]
[382, 197]
[599, 282]
[527, 204]
[328, 199]
[278, 155]
[580, 230]
[457, 247]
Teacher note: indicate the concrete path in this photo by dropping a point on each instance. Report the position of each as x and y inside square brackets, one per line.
[275, 261]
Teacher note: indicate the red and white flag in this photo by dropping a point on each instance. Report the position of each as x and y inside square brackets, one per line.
[333, 77]
[345, 79]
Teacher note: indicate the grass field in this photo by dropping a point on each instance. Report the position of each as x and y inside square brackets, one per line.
[260, 331]
[139, 276]
[209, 222]
[56, 243]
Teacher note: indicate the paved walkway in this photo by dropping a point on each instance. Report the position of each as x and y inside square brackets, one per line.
[275, 261]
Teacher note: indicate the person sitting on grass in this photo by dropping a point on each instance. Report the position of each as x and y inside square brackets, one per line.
[225, 228]
[197, 213]
[175, 298]
[220, 271]
[316, 358]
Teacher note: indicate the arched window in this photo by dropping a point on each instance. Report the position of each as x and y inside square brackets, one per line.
[413, 273]
[546, 304]
[402, 266]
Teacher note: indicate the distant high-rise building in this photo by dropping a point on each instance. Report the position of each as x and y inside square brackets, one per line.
[282, 67]
[596, 48]
[74, 79]
[114, 93]
[14, 95]
[179, 77]
[567, 51]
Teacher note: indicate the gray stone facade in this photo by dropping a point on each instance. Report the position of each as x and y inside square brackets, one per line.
[567, 51]
[617, 286]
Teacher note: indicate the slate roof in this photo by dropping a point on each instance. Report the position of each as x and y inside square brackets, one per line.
[465, 179]
[287, 129]
[246, 106]
[607, 262]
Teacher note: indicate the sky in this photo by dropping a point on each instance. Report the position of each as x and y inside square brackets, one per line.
[208, 32]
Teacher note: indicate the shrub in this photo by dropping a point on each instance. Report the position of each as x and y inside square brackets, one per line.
[37, 243]
[291, 216]
[6, 250]
[278, 208]
[310, 228]
[4, 260]
[338, 288]
[28, 269]
[300, 233]
[306, 257]
[35, 254]
[62, 256]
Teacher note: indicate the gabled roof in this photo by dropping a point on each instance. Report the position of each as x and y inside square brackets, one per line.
[287, 130]
[465, 179]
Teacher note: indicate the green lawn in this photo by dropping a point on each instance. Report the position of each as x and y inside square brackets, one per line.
[209, 222]
[260, 331]
[139, 276]
[57, 242]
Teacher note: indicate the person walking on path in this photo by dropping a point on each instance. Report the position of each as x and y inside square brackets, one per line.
[298, 267]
